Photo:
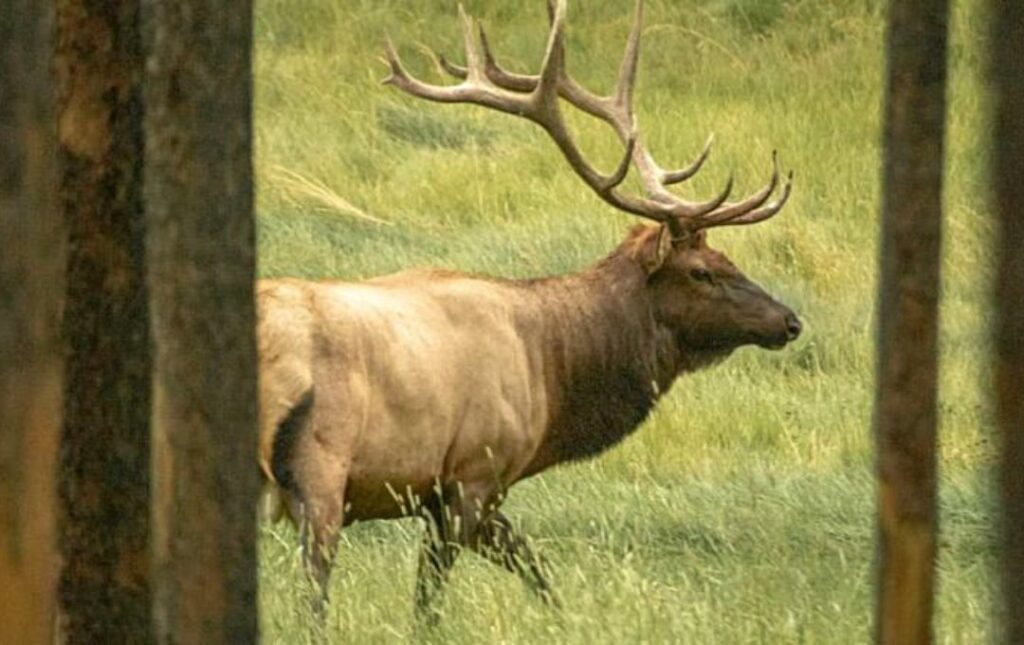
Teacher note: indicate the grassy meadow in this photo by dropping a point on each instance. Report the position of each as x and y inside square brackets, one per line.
[743, 510]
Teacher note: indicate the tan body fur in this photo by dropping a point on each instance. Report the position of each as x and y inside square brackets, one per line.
[404, 367]
[431, 392]
[429, 377]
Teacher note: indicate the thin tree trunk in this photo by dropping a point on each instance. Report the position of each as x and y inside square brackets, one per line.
[31, 281]
[905, 405]
[104, 469]
[201, 261]
[1008, 76]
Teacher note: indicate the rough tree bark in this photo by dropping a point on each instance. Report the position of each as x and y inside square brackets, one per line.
[31, 281]
[905, 404]
[1008, 75]
[201, 262]
[104, 465]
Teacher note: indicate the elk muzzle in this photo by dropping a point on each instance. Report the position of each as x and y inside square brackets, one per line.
[793, 326]
[784, 328]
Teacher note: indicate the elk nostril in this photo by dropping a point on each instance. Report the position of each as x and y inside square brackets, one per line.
[793, 326]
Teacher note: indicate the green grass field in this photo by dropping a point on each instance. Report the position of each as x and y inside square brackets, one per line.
[743, 510]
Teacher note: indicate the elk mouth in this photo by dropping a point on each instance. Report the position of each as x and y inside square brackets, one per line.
[781, 338]
[774, 343]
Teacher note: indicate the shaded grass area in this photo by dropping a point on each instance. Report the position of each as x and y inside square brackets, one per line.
[742, 511]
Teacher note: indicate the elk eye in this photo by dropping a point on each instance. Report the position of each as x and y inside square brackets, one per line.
[702, 275]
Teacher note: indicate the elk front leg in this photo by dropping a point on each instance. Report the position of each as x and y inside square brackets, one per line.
[499, 541]
[437, 557]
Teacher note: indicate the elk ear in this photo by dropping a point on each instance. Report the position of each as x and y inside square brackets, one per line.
[654, 249]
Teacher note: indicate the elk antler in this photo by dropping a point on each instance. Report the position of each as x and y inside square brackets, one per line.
[486, 83]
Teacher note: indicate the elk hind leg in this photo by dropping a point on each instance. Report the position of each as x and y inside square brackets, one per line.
[319, 479]
[322, 497]
[500, 542]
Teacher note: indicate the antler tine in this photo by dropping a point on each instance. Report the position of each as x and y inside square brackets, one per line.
[765, 212]
[469, 42]
[395, 69]
[551, 11]
[453, 70]
[553, 67]
[497, 74]
[568, 88]
[476, 88]
[454, 94]
[546, 113]
[619, 175]
[617, 110]
[732, 211]
[701, 209]
[627, 69]
[676, 176]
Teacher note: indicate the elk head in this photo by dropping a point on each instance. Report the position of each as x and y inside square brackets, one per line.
[696, 292]
[703, 299]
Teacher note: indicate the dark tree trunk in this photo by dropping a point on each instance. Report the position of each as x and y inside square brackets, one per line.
[201, 262]
[905, 410]
[104, 465]
[1008, 77]
[31, 284]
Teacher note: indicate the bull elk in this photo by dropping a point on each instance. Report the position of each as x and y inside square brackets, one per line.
[437, 390]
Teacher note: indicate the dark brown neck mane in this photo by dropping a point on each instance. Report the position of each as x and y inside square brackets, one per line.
[606, 361]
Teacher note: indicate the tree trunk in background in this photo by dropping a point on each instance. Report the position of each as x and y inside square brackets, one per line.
[905, 404]
[31, 281]
[201, 262]
[104, 467]
[1008, 76]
